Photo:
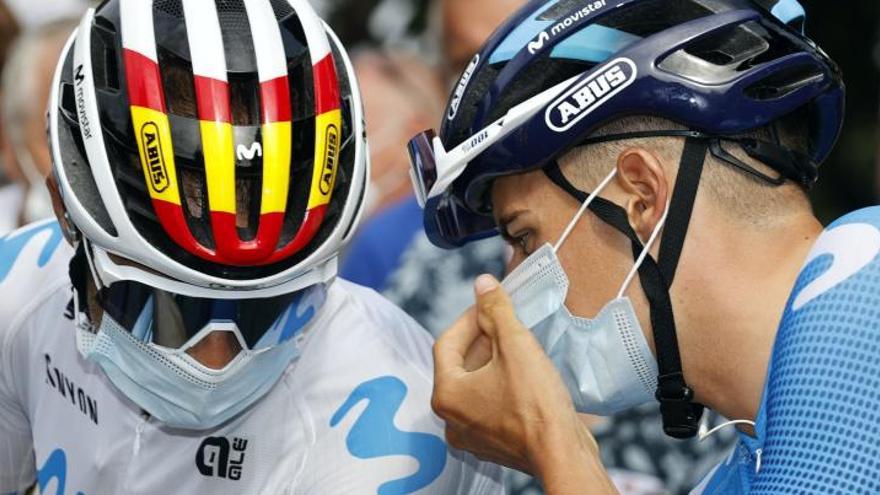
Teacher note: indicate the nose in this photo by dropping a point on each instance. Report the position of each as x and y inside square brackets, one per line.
[216, 350]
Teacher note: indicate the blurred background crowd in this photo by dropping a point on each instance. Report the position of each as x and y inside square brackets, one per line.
[408, 54]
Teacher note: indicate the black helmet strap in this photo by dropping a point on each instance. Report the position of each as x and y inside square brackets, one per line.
[680, 414]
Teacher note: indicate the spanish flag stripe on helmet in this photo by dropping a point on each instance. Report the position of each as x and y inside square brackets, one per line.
[214, 109]
[327, 144]
[218, 142]
[150, 122]
[328, 128]
[276, 115]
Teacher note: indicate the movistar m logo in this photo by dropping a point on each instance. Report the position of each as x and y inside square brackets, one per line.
[374, 435]
[591, 93]
[154, 158]
[245, 153]
[560, 27]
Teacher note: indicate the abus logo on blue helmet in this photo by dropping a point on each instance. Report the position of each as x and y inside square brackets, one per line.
[462, 85]
[588, 95]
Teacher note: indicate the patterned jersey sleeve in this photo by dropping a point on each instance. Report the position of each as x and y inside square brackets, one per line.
[32, 260]
[822, 401]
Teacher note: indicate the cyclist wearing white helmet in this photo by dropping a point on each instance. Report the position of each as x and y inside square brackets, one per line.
[209, 164]
[697, 126]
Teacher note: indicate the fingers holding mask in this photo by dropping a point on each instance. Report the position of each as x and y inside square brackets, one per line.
[494, 382]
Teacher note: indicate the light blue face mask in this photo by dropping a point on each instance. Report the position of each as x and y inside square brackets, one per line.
[605, 362]
[176, 389]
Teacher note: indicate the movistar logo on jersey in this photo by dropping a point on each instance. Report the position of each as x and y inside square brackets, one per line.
[374, 434]
[13, 245]
[462, 86]
[560, 27]
[588, 95]
[54, 469]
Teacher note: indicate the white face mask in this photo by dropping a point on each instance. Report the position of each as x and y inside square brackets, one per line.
[175, 388]
[605, 362]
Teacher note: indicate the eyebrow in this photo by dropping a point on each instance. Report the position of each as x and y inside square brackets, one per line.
[507, 219]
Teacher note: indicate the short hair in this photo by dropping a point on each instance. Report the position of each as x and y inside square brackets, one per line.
[739, 196]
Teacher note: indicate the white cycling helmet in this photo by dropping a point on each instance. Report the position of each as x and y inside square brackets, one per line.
[213, 150]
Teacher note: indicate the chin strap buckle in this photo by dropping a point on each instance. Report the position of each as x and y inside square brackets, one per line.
[681, 416]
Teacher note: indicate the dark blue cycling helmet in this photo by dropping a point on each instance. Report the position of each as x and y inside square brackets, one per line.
[560, 69]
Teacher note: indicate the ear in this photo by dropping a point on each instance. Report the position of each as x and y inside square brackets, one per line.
[641, 175]
[70, 233]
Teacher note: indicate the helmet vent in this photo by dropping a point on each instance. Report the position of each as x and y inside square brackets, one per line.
[174, 8]
[784, 82]
[721, 56]
[647, 18]
[282, 9]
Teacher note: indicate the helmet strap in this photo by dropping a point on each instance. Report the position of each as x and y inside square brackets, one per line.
[681, 415]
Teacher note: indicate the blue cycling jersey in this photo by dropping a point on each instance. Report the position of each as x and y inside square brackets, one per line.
[817, 429]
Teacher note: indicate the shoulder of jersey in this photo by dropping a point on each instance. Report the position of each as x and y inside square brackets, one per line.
[33, 260]
[847, 254]
[379, 319]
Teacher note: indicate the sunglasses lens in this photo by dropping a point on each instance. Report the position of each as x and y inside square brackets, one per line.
[424, 165]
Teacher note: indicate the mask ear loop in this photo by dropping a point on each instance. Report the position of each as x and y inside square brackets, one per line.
[644, 254]
[583, 210]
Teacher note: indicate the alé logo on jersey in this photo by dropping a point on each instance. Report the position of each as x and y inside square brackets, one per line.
[219, 457]
[563, 25]
[588, 95]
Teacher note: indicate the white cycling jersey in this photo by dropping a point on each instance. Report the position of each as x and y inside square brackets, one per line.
[350, 416]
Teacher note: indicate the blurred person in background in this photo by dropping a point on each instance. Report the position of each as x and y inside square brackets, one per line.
[403, 95]
[31, 14]
[391, 253]
[10, 192]
[26, 83]
[465, 25]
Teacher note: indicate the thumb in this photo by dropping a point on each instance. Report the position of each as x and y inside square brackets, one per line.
[495, 313]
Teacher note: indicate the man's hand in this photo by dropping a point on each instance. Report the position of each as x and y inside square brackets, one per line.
[503, 400]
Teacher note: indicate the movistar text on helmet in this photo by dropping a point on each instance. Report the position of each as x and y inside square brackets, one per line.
[545, 36]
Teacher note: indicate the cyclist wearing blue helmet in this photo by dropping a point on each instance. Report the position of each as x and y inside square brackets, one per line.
[693, 273]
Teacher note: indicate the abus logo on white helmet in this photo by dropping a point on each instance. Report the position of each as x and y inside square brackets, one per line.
[462, 85]
[578, 102]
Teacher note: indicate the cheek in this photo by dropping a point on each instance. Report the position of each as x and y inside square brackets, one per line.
[596, 259]
[514, 259]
